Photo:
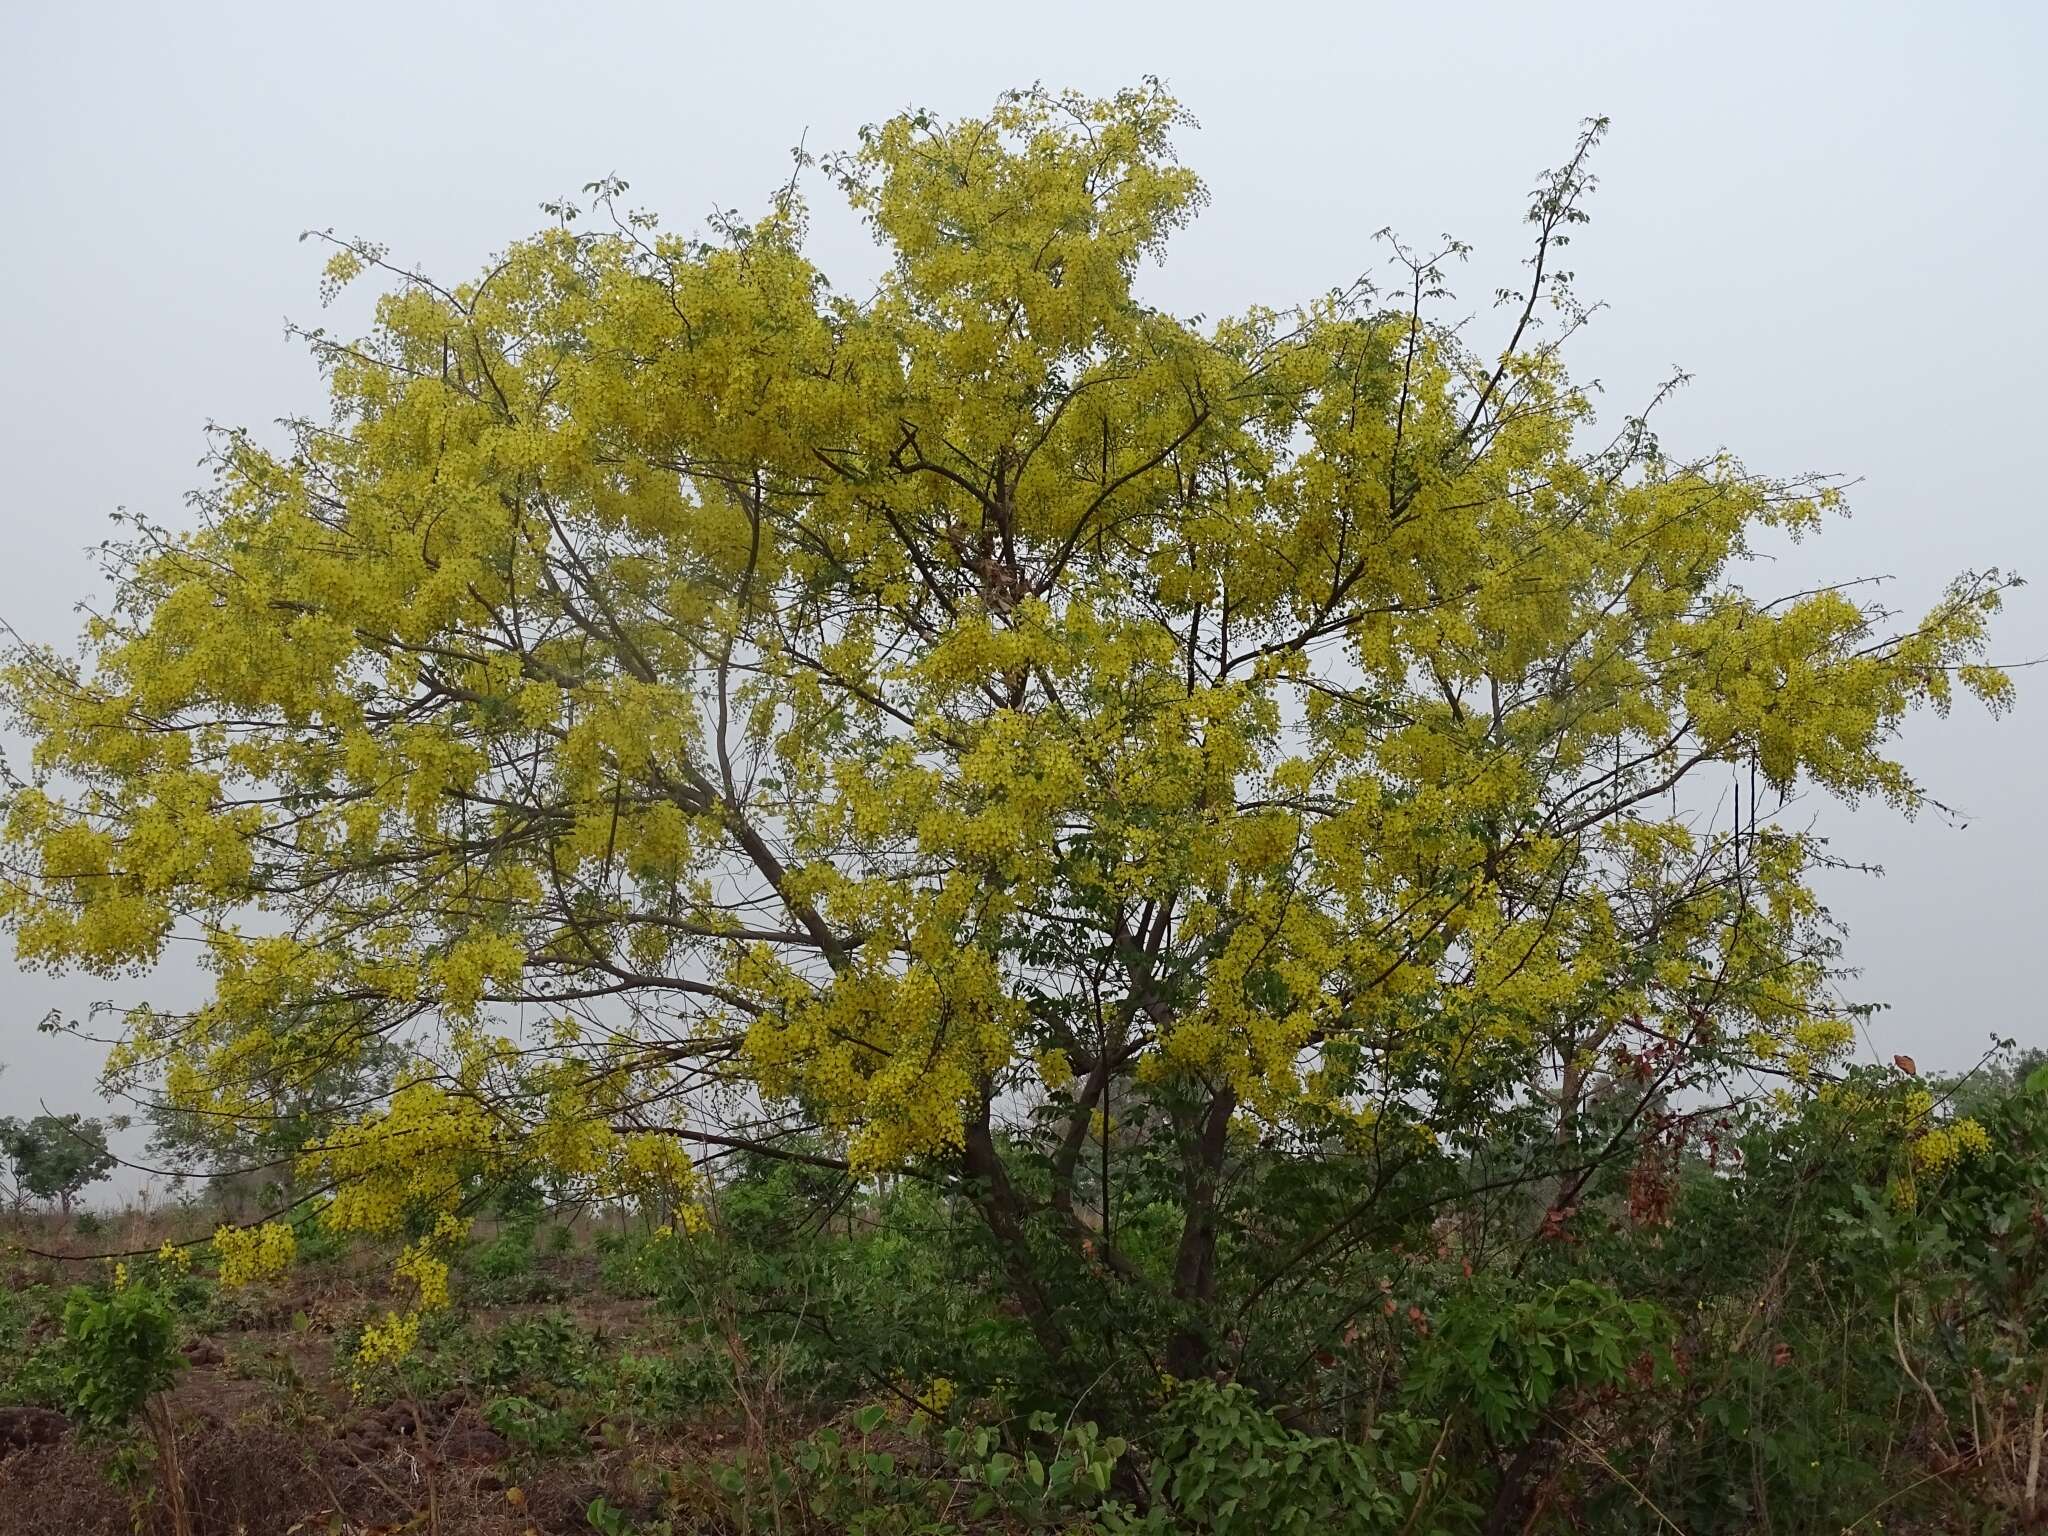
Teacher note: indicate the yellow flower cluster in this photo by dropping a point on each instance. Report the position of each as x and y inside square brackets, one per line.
[931, 1401]
[387, 1341]
[248, 1254]
[1816, 1043]
[649, 1161]
[1941, 1147]
[427, 1270]
[654, 1169]
[891, 1057]
[1922, 1147]
[408, 1158]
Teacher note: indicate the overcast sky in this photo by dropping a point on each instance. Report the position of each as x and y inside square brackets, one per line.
[1833, 216]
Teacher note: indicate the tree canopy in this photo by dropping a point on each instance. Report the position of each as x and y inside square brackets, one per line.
[988, 728]
[53, 1157]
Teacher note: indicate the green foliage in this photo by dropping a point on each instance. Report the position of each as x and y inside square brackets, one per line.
[1060, 1470]
[1227, 1465]
[53, 1157]
[314, 1242]
[1733, 1325]
[845, 1295]
[504, 1271]
[1508, 1358]
[607, 1519]
[31, 1347]
[875, 1476]
[251, 1160]
[1846, 1305]
[1832, 1302]
[549, 1347]
[628, 1264]
[540, 1428]
[120, 1351]
[505, 1258]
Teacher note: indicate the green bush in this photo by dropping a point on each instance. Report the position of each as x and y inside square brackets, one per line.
[1227, 1466]
[121, 1349]
[875, 1477]
[32, 1348]
[121, 1353]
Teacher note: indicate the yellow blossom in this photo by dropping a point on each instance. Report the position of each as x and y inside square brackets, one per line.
[249, 1254]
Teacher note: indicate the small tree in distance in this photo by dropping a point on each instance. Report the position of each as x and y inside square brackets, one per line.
[53, 1157]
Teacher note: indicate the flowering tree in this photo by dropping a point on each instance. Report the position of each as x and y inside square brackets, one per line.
[990, 728]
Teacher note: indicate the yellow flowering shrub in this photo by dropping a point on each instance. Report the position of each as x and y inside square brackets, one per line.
[1917, 1142]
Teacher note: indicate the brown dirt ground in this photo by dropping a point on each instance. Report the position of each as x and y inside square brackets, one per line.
[272, 1442]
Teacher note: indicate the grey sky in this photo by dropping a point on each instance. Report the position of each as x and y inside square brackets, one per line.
[1833, 216]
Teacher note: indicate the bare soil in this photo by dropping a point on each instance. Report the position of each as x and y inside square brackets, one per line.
[273, 1442]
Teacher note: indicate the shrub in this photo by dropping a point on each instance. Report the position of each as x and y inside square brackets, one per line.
[1226, 1465]
[121, 1355]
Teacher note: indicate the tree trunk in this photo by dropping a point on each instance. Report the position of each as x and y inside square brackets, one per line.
[1510, 1500]
[1191, 1350]
[996, 1198]
[1570, 1087]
